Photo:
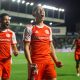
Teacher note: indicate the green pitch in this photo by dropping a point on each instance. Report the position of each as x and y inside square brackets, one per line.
[67, 72]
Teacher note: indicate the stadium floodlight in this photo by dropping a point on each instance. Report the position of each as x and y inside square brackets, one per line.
[31, 4]
[47, 7]
[62, 10]
[18, 1]
[50, 7]
[27, 3]
[54, 8]
[39, 4]
[23, 2]
[20, 24]
[50, 23]
[13, 0]
[32, 21]
[10, 18]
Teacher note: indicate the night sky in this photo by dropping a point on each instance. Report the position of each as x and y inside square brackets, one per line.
[72, 10]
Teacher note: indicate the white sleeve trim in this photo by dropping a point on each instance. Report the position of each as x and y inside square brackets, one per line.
[13, 38]
[27, 33]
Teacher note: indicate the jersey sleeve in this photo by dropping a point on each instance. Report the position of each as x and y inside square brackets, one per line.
[51, 34]
[14, 41]
[27, 33]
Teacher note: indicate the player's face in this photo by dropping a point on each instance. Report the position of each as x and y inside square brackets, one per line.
[6, 21]
[40, 15]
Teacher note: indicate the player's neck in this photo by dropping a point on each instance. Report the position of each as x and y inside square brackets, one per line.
[39, 23]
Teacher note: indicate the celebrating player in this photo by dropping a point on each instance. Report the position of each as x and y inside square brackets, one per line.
[39, 49]
[7, 39]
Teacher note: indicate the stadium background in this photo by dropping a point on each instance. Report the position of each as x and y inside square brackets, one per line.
[20, 12]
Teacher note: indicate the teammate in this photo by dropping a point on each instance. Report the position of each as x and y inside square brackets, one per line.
[76, 43]
[39, 49]
[7, 40]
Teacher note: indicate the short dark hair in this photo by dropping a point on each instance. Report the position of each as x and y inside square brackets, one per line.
[2, 15]
[34, 11]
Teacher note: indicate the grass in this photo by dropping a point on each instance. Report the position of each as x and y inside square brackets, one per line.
[67, 72]
[19, 68]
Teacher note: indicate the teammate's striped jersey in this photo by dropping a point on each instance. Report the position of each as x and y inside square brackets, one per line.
[77, 42]
[7, 38]
[39, 38]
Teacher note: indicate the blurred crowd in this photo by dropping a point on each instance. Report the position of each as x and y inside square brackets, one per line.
[60, 42]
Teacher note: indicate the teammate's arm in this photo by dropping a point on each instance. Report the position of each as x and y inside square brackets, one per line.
[15, 50]
[14, 46]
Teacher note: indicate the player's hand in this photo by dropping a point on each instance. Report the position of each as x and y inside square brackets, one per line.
[16, 53]
[59, 64]
[34, 68]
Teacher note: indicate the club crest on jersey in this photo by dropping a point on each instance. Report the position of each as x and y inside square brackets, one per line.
[36, 32]
[7, 35]
[46, 31]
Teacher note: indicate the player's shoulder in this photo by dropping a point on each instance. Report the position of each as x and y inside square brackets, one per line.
[48, 27]
[28, 25]
[9, 30]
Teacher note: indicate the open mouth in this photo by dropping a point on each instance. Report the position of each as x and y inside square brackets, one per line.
[42, 15]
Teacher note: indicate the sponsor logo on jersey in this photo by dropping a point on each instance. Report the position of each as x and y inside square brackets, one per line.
[36, 32]
[40, 37]
[46, 31]
[2, 40]
[7, 35]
